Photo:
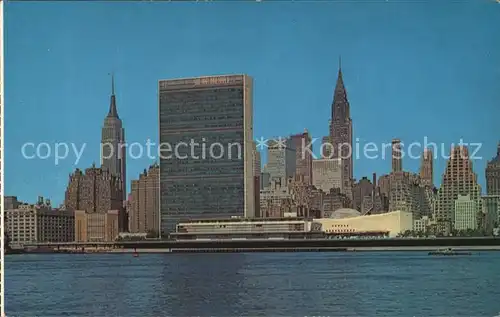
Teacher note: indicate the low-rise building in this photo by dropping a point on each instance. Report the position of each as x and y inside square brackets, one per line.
[96, 226]
[344, 222]
[422, 225]
[33, 223]
[350, 221]
[21, 224]
[55, 225]
[241, 228]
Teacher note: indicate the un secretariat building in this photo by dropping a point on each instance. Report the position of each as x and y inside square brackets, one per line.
[206, 132]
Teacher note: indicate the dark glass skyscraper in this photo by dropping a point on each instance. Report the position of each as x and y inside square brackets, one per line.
[206, 166]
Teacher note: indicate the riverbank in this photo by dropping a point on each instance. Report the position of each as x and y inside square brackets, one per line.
[261, 250]
[326, 249]
[269, 245]
[426, 248]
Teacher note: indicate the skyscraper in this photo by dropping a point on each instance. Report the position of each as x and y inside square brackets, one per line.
[327, 174]
[281, 159]
[256, 159]
[403, 194]
[256, 175]
[145, 202]
[341, 132]
[113, 150]
[458, 179]
[493, 174]
[207, 169]
[326, 142]
[96, 190]
[2, 220]
[374, 202]
[303, 157]
[405, 189]
[465, 217]
[384, 183]
[397, 162]
[427, 169]
[360, 191]
[491, 212]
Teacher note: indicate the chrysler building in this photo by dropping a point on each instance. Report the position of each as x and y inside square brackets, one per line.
[341, 132]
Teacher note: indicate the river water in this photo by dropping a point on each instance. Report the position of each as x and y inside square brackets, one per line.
[253, 284]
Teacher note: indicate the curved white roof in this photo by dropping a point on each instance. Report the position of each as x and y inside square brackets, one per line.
[345, 213]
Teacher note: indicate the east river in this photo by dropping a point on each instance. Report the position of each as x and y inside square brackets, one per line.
[253, 284]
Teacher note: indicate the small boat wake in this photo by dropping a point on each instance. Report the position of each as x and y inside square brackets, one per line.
[449, 251]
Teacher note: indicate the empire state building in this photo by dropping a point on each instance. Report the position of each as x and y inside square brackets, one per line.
[113, 148]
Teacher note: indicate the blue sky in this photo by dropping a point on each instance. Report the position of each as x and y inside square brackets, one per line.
[411, 70]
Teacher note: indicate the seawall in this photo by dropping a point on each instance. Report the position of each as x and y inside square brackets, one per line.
[312, 243]
[264, 245]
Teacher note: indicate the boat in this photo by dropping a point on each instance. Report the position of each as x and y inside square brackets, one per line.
[135, 254]
[449, 251]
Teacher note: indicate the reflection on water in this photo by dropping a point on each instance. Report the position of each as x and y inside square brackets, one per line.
[266, 284]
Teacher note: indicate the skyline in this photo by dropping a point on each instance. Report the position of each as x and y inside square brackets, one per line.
[431, 87]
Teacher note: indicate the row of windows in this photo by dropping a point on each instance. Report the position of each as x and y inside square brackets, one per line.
[202, 171]
[222, 107]
[341, 230]
[208, 137]
[169, 126]
[202, 105]
[196, 94]
[217, 155]
[340, 226]
[211, 213]
[198, 139]
[205, 161]
[227, 182]
[209, 191]
[218, 194]
[215, 199]
[235, 118]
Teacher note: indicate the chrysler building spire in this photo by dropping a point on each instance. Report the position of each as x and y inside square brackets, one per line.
[340, 105]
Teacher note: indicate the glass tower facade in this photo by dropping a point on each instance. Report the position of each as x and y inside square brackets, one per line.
[205, 149]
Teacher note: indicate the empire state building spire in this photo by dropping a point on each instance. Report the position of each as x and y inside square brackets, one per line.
[112, 106]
